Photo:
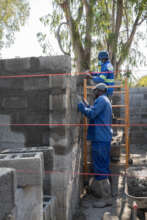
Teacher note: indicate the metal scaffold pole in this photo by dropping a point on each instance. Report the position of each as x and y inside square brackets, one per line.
[85, 131]
[126, 119]
[127, 123]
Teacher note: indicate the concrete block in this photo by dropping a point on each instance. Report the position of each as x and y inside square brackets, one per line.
[48, 154]
[58, 102]
[41, 103]
[55, 64]
[58, 117]
[6, 133]
[17, 65]
[29, 202]
[29, 167]
[36, 83]
[145, 96]
[57, 82]
[49, 207]
[14, 102]
[11, 84]
[7, 191]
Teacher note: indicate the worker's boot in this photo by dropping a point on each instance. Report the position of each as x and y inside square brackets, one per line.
[102, 190]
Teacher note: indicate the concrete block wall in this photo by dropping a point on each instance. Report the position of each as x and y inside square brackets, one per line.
[29, 176]
[29, 203]
[48, 157]
[29, 167]
[34, 100]
[7, 193]
[66, 142]
[24, 98]
[138, 116]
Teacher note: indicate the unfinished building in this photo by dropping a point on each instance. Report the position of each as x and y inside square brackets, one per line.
[41, 146]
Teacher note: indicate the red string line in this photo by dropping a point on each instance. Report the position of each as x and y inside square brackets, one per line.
[48, 124]
[48, 74]
[79, 173]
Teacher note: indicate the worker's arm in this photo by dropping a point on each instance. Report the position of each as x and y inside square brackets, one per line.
[99, 79]
[102, 77]
[93, 111]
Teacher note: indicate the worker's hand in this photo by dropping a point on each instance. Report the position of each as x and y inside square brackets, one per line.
[85, 102]
[87, 71]
[88, 76]
[81, 107]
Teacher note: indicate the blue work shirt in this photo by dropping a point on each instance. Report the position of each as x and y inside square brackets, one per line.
[100, 115]
[106, 76]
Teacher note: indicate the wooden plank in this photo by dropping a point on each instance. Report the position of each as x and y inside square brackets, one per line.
[92, 87]
[118, 125]
[85, 152]
[120, 119]
[119, 92]
[127, 123]
[118, 106]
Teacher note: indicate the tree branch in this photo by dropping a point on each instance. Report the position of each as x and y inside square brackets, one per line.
[127, 26]
[113, 17]
[131, 37]
[128, 44]
[80, 12]
[139, 23]
[59, 39]
[85, 3]
[75, 36]
[89, 23]
[118, 18]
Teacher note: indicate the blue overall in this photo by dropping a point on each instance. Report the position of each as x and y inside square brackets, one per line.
[106, 76]
[99, 133]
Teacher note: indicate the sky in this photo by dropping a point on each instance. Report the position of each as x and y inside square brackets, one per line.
[26, 43]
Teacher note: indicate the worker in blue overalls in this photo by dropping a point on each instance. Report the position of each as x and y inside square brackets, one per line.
[99, 131]
[106, 74]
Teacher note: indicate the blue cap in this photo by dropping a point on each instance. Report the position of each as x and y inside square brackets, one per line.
[103, 55]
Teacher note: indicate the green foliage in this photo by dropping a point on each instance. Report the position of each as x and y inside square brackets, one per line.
[13, 14]
[104, 33]
[142, 82]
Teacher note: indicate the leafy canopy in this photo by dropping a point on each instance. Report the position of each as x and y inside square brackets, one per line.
[142, 82]
[13, 14]
[97, 25]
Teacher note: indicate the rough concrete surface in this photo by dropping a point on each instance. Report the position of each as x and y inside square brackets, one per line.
[137, 181]
[29, 202]
[29, 167]
[7, 191]
[48, 153]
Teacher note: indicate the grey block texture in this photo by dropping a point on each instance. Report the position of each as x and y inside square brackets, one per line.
[25, 99]
[29, 202]
[48, 154]
[50, 97]
[7, 191]
[138, 115]
[49, 207]
[29, 167]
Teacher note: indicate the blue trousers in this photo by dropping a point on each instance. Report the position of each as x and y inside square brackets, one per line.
[101, 159]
